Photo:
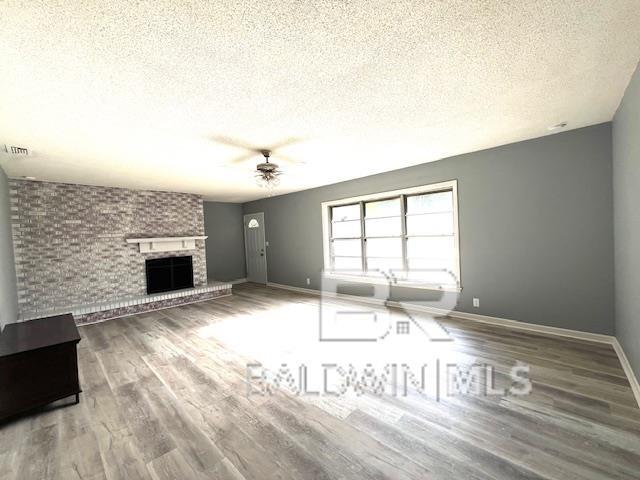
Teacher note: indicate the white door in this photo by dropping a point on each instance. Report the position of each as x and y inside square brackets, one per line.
[254, 248]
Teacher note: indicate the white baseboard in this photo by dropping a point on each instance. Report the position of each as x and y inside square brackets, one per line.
[626, 366]
[502, 322]
[530, 327]
[237, 281]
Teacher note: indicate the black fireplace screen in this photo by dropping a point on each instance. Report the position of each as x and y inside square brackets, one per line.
[167, 274]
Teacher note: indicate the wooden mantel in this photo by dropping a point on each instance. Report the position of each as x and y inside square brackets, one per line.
[166, 244]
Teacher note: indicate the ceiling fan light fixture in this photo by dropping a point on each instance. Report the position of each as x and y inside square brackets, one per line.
[268, 180]
[268, 174]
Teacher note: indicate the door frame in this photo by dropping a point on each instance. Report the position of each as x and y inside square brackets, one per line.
[264, 240]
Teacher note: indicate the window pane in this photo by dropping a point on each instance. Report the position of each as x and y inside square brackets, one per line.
[348, 212]
[430, 224]
[383, 227]
[346, 264]
[347, 248]
[430, 202]
[348, 229]
[384, 264]
[384, 247]
[430, 247]
[384, 208]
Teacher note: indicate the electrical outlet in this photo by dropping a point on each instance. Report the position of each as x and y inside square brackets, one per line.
[476, 302]
[308, 281]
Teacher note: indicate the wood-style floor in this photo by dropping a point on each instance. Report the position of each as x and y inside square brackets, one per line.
[165, 398]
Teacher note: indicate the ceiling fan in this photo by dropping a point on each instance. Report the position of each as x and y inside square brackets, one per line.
[267, 172]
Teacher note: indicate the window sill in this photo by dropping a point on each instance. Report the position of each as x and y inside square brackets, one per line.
[397, 283]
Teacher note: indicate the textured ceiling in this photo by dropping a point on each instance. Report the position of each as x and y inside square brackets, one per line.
[130, 93]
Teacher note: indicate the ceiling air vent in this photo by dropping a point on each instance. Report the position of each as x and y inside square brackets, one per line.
[13, 150]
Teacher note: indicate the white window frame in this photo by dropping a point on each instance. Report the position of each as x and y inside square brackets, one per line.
[422, 189]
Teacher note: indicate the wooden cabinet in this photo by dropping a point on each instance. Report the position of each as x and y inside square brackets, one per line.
[38, 364]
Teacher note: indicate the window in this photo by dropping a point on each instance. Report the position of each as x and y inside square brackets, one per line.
[407, 236]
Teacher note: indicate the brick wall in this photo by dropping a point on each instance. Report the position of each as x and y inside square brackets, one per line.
[70, 247]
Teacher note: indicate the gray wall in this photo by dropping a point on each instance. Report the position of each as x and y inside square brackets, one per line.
[8, 291]
[70, 246]
[536, 228]
[626, 188]
[225, 245]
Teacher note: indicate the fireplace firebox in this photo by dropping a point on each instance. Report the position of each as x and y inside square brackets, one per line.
[167, 274]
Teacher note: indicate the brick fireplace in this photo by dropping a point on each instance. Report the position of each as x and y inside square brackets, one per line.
[72, 253]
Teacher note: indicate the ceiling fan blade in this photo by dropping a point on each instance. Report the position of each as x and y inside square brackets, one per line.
[232, 142]
[284, 143]
[243, 158]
